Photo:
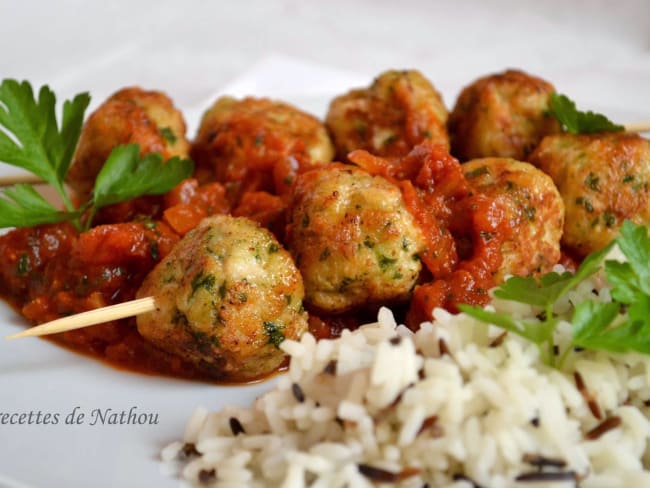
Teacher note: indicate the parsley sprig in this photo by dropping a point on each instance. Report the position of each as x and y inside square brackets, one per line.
[37, 144]
[617, 326]
[30, 138]
[575, 121]
[126, 175]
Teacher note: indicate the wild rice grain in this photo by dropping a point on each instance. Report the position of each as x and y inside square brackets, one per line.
[466, 479]
[207, 476]
[442, 346]
[589, 399]
[188, 451]
[380, 475]
[330, 368]
[428, 423]
[498, 340]
[543, 461]
[377, 474]
[235, 426]
[603, 427]
[298, 394]
[408, 472]
[547, 476]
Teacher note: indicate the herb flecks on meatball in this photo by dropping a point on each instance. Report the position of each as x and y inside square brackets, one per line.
[604, 179]
[501, 115]
[354, 240]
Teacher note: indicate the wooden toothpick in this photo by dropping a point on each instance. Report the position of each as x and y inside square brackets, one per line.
[91, 317]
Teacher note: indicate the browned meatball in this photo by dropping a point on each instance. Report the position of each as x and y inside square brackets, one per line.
[131, 115]
[398, 111]
[534, 213]
[353, 239]
[258, 144]
[604, 179]
[502, 115]
[227, 295]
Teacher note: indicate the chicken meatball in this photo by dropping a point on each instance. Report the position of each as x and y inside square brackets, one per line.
[131, 115]
[258, 144]
[604, 179]
[502, 115]
[353, 239]
[227, 295]
[534, 213]
[398, 111]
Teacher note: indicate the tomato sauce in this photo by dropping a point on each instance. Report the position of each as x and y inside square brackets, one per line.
[464, 231]
[52, 271]
[188, 203]
[253, 155]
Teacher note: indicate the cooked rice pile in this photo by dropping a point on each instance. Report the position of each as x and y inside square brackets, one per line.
[456, 404]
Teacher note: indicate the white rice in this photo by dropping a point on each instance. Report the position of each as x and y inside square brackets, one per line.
[495, 410]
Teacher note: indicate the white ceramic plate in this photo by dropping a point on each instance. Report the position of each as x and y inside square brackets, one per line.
[38, 376]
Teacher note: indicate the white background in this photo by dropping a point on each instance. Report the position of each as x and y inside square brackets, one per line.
[305, 52]
[595, 50]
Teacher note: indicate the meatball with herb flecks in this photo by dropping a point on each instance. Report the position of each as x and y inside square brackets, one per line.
[132, 115]
[257, 144]
[354, 240]
[227, 295]
[501, 115]
[604, 179]
[399, 110]
[534, 213]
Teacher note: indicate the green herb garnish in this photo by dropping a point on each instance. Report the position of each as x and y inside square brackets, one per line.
[617, 326]
[274, 332]
[206, 281]
[30, 138]
[575, 121]
[154, 251]
[126, 175]
[23, 206]
[23, 265]
[168, 134]
[475, 173]
[385, 261]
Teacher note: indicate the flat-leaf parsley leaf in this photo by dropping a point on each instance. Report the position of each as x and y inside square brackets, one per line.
[29, 134]
[126, 175]
[24, 206]
[617, 326]
[575, 121]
